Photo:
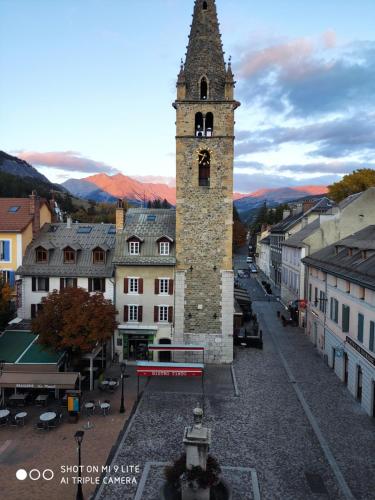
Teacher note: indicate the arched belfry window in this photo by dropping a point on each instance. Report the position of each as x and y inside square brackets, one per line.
[204, 163]
[199, 125]
[209, 124]
[204, 88]
[204, 5]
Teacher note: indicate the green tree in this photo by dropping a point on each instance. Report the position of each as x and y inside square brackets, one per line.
[356, 182]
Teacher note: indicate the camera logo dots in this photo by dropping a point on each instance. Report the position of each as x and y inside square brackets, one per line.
[35, 474]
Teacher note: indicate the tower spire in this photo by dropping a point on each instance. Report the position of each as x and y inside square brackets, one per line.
[205, 55]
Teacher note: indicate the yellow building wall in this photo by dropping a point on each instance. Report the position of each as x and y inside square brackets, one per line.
[45, 215]
[10, 266]
[27, 237]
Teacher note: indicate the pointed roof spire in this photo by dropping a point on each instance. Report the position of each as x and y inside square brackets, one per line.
[205, 56]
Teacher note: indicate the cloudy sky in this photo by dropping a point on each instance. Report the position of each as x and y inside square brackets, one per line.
[87, 86]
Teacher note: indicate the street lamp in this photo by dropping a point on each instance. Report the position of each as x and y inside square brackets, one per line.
[123, 369]
[79, 437]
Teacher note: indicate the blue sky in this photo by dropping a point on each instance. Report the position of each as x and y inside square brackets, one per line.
[87, 86]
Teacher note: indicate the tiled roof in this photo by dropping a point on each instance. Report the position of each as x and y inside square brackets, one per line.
[352, 265]
[285, 224]
[13, 219]
[149, 225]
[56, 237]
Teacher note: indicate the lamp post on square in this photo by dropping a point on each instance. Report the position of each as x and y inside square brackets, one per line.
[123, 375]
[79, 438]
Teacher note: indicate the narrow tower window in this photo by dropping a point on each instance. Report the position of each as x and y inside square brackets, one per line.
[209, 124]
[204, 162]
[204, 89]
[204, 5]
[199, 125]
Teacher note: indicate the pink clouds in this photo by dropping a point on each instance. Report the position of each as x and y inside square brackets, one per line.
[293, 58]
[66, 160]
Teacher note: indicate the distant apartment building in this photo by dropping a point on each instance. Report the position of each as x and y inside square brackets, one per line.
[264, 255]
[298, 216]
[20, 221]
[332, 224]
[67, 255]
[145, 261]
[341, 312]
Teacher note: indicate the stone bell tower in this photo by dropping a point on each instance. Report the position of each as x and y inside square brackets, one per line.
[205, 108]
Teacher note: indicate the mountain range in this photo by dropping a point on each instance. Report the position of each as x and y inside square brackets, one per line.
[106, 188]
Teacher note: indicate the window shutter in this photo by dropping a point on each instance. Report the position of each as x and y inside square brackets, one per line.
[126, 314]
[345, 318]
[372, 339]
[75, 282]
[90, 284]
[360, 327]
[11, 278]
[6, 250]
[336, 311]
[33, 284]
[156, 314]
[62, 284]
[103, 285]
[331, 309]
[140, 285]
[140, 314]
[33, 311]
[171, 283]
[126, 285]
[47, 284]
[170, 314]
[156, 287]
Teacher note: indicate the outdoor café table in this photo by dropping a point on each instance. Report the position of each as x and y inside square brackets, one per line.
[105, 407]
[90, 406]
[48, 416]
[4, 413]
[21, 416]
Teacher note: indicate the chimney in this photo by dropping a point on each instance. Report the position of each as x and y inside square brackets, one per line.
[307, 205]
[35, 211]
[69, 222]
[120, 216]
[286, 214]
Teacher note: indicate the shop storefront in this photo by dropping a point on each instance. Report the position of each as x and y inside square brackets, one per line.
[135, 342]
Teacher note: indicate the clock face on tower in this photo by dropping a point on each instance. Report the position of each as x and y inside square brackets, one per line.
[204, 157]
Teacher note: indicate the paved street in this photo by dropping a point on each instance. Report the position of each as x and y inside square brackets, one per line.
[293, 422]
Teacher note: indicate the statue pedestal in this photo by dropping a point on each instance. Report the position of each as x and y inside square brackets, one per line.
[197, 440]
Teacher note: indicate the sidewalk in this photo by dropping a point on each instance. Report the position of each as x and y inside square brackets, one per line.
[347, 429]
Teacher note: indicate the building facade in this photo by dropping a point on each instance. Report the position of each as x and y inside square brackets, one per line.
[20, 221]
[67, 255]
[341, 311]
[144, 261]
[205, 109]
[264, 255]
[333, 223]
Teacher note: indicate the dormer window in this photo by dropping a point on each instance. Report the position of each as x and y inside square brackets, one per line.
[164, 247]
[98, 256]
[69, 255]
[134, 247]
[41, 255]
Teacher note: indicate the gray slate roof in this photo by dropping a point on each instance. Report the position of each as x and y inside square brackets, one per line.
[141, 223]
[56, 237]
[321, 206]
[336, 259]
[297, 240]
